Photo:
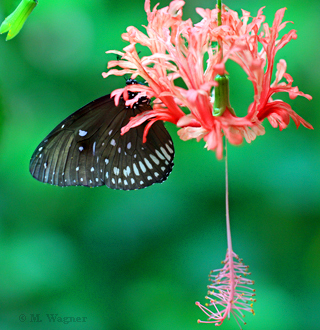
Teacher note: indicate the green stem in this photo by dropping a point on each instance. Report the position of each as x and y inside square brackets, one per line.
[227, 204]
[219, 6]
[219, 13]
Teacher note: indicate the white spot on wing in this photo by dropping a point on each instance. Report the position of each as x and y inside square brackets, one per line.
[155, 159]
[116, 170]
[132, 180]
[141, 182]
[125, 182]
[107, 175]
[156, 174]
[119, 150]
[148, 163]
[82, 133]
[149, 177]
[129, 145]
[169, 149]
[143, 168]
[119, 180]
[92, 169]
[106, 161]
[94, 148]
[135, 169]
[40, 148]
[110, 132]
[80, 149]
[128, 170]
[165, 153]
[113, 181]
[159, 154]
[77, 168]
[45, 165]
[113, 142]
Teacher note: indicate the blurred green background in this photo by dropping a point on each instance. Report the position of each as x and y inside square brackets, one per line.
[139, 260]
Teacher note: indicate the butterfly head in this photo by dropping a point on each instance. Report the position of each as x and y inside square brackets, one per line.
[131, 82]
[142, 99]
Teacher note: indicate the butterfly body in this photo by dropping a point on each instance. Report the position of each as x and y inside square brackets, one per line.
[87, 149]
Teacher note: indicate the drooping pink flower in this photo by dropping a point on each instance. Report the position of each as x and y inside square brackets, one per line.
[229, 293]
[189, 52]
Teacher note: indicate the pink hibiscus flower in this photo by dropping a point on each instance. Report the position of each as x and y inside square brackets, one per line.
[181, 49]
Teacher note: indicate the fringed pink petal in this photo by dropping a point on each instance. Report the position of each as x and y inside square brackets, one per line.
[183, 50]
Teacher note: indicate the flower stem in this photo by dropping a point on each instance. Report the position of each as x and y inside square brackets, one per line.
[230, 251]
[219, 13]
[229, 240]
[227, 201]
[219, 6]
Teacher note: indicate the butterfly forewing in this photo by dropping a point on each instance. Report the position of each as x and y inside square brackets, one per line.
[87, 149]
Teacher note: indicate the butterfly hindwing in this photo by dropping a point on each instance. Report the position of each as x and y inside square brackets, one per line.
[87, 149]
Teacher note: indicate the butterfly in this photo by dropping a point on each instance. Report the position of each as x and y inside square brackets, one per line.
[87, 149]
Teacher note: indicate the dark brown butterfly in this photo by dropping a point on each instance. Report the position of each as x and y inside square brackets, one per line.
[86, 149]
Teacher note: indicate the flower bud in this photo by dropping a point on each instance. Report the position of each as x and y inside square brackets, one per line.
[221, 96]
[14, 22]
